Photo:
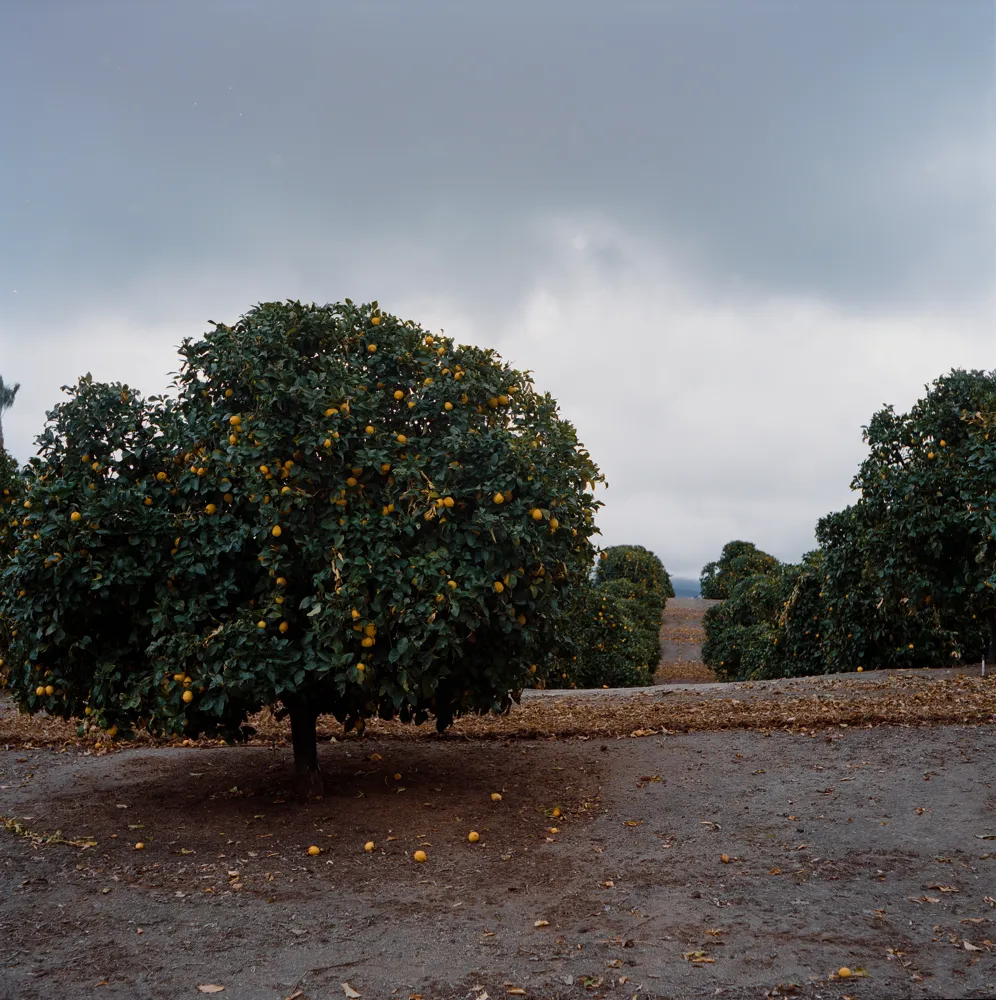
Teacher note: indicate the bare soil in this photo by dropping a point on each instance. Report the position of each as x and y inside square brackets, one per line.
[682, 636]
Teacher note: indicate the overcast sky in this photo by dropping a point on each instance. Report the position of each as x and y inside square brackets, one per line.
[722, 234]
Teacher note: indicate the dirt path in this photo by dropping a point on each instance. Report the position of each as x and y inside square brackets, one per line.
[681, 643]
[848, 847]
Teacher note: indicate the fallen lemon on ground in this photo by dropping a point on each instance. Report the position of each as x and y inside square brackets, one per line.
[314, 851]
[140, 846]
[420, 856]
[725, 858]
[473, 836]
[844, 972]
[556, 812]
[368, 846]
[496, 796]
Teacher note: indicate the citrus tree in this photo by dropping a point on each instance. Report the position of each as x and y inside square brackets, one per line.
[927, 512]
[337, 513]
[614, 622]
[738, 561]
[638, 564]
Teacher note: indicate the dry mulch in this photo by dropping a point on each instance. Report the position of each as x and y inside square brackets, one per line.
[898, 698]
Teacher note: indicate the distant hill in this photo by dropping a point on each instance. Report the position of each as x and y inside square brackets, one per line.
[685, 586]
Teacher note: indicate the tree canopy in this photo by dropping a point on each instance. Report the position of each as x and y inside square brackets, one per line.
[338, 513]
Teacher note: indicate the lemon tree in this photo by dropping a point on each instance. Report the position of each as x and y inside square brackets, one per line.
[336, 512]
[738, 561]
[613, 623]
[926, 517]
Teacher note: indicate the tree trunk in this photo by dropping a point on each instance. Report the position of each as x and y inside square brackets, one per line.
[304, 738]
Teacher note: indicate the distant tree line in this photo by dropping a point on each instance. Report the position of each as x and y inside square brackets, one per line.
[904, 577]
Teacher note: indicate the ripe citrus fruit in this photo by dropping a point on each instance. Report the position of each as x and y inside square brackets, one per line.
[844, 972]
[725, 858]
[284, 626]
[499, 498]
[188, 696]
[76, 516]
[473, 836]
[402, 439]
[49, 690]
[420, 856]
[140, 846]
[368, 846]
[496, 796]
[276, 531]
[314, 851]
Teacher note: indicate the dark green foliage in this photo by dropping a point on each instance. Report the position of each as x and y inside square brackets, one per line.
[741, 632]
[11, 509]
[634, 562]
[339, 513]
[905, 577]
[927, 512]
[610, 646]
[738, 561]
[615, 622]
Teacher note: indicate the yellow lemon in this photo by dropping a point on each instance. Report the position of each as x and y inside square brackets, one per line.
[473, 836]
[188, 696]
[76, 516]
[276, 531]
[496, 796]
[314, 851]
[420, 856]
[498, 498]
[369, 846]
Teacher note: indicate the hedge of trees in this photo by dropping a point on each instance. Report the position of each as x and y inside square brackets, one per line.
[614, 622]
[904, 577]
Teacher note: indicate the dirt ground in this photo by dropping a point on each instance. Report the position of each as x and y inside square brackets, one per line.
[682, 636]
[733, 841]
